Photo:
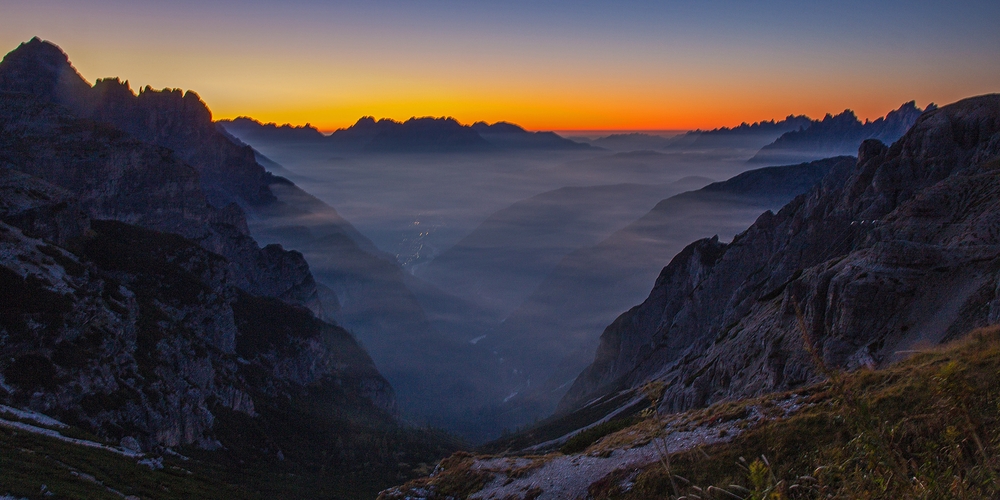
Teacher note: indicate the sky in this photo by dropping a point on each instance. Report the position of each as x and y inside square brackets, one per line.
[544, 64]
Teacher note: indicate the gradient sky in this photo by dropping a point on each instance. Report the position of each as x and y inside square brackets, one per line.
[543, 64]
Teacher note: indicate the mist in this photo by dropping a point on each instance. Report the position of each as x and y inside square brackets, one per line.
[485, 279]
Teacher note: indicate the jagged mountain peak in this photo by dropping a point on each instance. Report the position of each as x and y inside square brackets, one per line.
[839, 134]
[890, 252]
[40, 67]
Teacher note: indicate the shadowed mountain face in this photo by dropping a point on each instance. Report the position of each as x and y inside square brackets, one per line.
[416, 135]
[893, 252]
[136, 308]
[179, 169]
[589, 287]
[74, 135]
[838, 135]
[178, 121]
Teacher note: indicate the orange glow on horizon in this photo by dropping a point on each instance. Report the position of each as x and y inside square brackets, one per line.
[548, 117]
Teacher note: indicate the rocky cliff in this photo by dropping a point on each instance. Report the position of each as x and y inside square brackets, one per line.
[564, 315]
[142, 160]
[837, 135]
[897, 251]
[137, 333]
[170, 118]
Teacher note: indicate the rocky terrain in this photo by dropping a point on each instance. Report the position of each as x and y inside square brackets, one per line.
[895, 251]
[133, 165]
[837, 135]
[138, 309]
[842, 299]
[590, 286]
[870, 434]
[208, 186]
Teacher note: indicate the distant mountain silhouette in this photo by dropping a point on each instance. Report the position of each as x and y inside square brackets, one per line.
[509, 136]
[601, 280]
[746, 135]
[416, 135]
[249, 130]
[838, 134]
[631, 142]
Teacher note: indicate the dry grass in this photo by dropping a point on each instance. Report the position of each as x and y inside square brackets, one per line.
[925, 428]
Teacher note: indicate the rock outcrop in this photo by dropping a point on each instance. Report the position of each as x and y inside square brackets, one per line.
[564, 315]
[838, 135]
[153, 160]
[136, 333]
[136, 306]
[897, 251]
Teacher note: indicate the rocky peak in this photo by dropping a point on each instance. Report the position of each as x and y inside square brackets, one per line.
[170, 118]
[837, 135]
[941, 143]
[43, 69]
[155, 160]
[894, 251]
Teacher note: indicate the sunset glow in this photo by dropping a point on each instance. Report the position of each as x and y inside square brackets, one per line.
[548, 65]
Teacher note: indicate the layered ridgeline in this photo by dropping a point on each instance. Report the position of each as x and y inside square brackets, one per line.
[416, 135]
[352, 283]
[794, 139]
[563, 316]
[138, 308]
[838, 135]
[894, 252]
[744, 136]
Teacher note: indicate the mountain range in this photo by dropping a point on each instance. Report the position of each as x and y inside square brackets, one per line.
[416, 135]
[587, 289]
[138, 307]
[814, 335]
[838, 134]
[890, 253]
[143, 319]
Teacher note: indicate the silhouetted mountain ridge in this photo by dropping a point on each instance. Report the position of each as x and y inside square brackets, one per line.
[889, 253]
[839, 134]
[415, 135]
[746, 135]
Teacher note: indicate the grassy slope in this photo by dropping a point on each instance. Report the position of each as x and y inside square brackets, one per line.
[28, 461]
[924, 428]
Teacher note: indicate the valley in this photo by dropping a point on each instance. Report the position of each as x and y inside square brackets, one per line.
[202, 308]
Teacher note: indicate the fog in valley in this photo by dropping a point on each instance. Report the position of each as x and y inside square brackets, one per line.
[480, 282]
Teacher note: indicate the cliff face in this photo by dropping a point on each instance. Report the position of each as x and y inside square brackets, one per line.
[169, 118]
[154, 160]
[135, 333]
[898, 251]
[134, 303]
[606, 278]
[838, 134]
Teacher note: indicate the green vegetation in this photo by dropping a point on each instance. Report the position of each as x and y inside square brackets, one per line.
[584, 439]
[356, 466]
[925, 428]
[67, 471]
[558, 426]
